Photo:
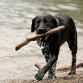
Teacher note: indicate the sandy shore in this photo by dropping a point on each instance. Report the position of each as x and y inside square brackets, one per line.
[62, 77]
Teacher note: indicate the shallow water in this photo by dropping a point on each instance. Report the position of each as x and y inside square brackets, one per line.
[15, 22]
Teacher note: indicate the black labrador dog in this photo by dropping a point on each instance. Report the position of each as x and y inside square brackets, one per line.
[52, 43]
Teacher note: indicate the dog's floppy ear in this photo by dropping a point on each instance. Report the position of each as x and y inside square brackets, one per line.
[33, 25]
[56, 21]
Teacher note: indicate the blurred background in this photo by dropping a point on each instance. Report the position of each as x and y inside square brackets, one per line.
[15, 23]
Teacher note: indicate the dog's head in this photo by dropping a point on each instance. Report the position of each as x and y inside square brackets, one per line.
[43, 23]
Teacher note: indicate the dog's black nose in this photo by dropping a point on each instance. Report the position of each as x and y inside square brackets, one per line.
[40, 31]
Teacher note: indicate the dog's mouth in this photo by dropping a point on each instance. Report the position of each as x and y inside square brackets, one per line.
[41, 31]
[44, 39]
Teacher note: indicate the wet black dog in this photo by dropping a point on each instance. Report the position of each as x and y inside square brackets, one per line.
[52, 43]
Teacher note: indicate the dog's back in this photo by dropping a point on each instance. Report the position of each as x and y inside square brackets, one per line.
[69, 27]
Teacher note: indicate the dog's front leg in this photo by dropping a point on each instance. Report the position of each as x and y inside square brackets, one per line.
[42, 71]
[51, 61]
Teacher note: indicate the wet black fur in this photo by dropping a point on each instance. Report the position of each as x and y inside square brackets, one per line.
[51, 44]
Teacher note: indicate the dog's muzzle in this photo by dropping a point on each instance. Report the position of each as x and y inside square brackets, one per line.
[40, 31]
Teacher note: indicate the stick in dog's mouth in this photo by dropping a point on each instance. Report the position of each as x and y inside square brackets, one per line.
[37, 36]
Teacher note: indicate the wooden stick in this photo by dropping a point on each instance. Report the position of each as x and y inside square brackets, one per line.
[38, 66]
[37, 36]
[64, 69]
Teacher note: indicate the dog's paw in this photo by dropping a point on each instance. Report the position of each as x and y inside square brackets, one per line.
[39, 75]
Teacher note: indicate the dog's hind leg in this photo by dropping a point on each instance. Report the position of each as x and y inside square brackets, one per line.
[72, 42]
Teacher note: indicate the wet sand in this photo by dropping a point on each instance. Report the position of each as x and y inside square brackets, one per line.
[63, 77]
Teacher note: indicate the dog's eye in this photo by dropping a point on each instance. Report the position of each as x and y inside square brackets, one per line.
[38, 21]
[45, 21]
